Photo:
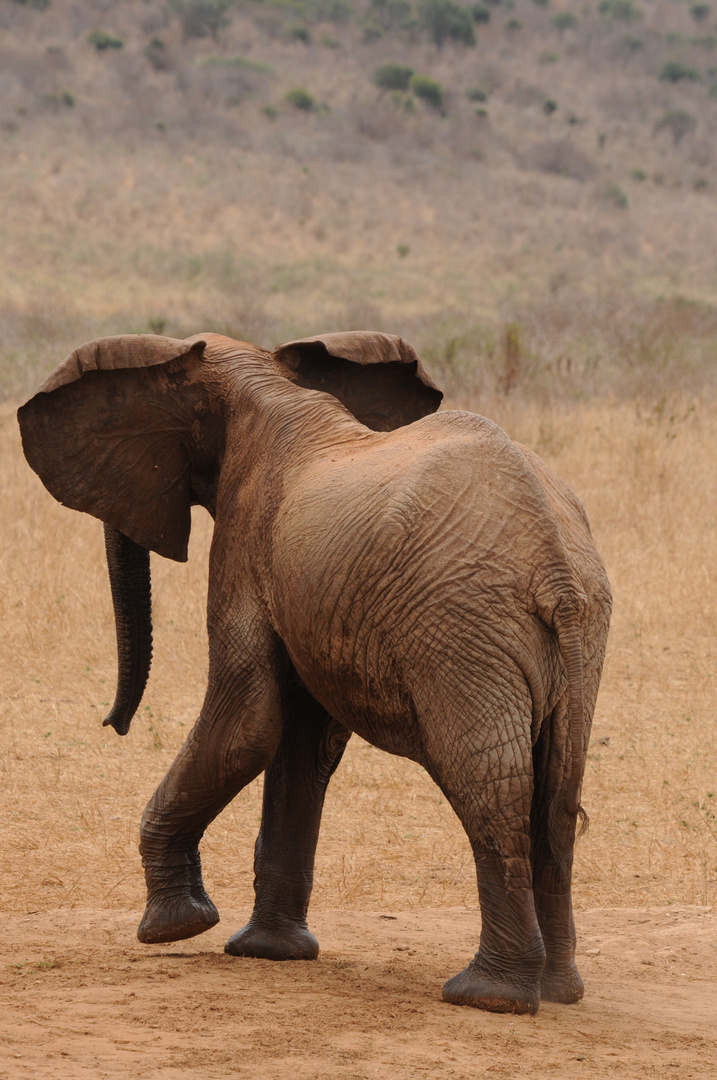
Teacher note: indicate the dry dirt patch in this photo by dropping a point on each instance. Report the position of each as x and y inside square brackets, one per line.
[81, 998]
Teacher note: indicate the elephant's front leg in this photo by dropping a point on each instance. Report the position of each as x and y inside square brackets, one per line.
[294, 787]
[233, 740]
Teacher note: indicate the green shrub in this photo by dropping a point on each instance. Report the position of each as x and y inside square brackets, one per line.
[513, 24]
[541, 3]
[675, 71]
[678, 122]
[564, 20]
[156, 53]
[477, 93]
[620, 9]
[700, 11]
[639, 175]
[301, 99]
[270, 112]
[390, 14]
[428, 90]
[371, 31]
[102, 41]
[38, 5]
[392, 77]
[443, 20]
[299, 32]
[402, 250]
[549, 106]
[68, 98]
[201, 18]
[335, 11]
[480, 13]
[713, 91]
[614, 194]
[330, 42]
[631, 44]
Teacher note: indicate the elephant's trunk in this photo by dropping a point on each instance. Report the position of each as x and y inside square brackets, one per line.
[128, 565]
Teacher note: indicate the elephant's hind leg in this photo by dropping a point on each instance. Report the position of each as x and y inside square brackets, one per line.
[552, 872]
[488, 781]
[233, 740]
[294, 788]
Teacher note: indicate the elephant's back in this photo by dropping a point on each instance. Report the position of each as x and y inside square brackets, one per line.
[436, 521]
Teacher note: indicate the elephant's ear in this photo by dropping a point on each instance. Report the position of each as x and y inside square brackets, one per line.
[110, 432]
[378, 377]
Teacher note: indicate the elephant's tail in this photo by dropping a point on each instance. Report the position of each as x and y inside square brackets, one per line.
[562, 614]
[567, 625]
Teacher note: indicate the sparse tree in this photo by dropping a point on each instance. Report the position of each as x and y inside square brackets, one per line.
[201, 18]
[678, 122]
[444, 21]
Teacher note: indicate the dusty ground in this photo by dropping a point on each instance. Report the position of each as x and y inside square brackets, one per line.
[81, 998]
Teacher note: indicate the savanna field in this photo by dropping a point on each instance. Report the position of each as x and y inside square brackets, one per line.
[525, 192]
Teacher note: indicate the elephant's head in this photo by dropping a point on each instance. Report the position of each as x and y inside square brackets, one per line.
[132, 430]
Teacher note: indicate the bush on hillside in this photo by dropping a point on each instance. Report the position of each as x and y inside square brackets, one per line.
[299, 32]
[445, 21]
[390, 14]
[158, 55]
[678, 122]
[371, 32]
[620, 9]
[631, 44]
[564, 20]
[428, 90]
[201, 18]
[561, 158]
[102, 41]
[301, 99]
[615, 195]
[392, 77]
[675, 71]
[700, 11]
[318, 11]
[481, 13]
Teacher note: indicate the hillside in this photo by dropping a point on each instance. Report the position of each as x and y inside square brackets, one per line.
[536, 209]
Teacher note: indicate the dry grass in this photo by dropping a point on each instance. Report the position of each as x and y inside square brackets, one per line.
[72, 792]
[167, 199]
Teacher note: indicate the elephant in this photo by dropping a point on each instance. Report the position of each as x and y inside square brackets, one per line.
[376, 567]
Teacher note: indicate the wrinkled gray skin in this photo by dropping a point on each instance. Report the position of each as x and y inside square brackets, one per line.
[433, 588]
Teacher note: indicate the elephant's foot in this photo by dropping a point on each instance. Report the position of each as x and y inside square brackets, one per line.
[173, 918]
[475, 987]
[563, 984]
[273, 939]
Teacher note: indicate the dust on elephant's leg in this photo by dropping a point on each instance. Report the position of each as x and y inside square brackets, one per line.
[488, 780]
[294, 787]
[233, 740]
[552, 873]
[560, 979]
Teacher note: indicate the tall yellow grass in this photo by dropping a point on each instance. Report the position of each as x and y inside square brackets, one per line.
[71, 792]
